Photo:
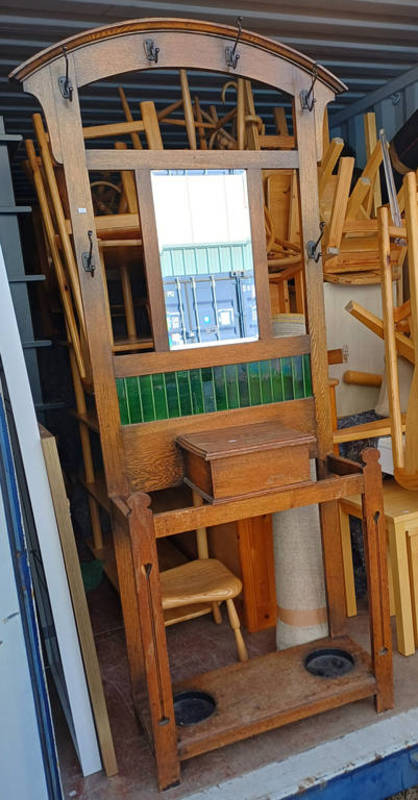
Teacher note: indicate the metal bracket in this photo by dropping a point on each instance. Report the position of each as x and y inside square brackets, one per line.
[64, 82]
[151, 51]
[307, 99]
[231, 53]
[312, 247]
[87, 258]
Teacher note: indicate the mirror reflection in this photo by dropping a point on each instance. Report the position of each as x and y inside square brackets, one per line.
[204, 239]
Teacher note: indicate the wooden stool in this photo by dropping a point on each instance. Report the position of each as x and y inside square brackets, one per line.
[401, 516]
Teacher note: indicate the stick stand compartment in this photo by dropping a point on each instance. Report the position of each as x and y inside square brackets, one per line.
[270, 691]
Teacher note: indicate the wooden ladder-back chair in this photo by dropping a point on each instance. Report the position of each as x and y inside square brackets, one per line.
[199, 587]
[148, 455]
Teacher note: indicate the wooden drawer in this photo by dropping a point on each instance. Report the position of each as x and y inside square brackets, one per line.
[234, 462]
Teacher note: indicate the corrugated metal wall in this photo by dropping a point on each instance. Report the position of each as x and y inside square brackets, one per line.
[392, 109]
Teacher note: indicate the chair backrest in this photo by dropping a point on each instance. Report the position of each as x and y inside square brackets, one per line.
[405, 455]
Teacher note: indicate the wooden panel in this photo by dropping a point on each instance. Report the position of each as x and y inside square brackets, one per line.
[255, 542]
[153, 460]
[152, 257]
[271, 691]
[93, 289]
[173, 27]
[258, 237]
[190, 159]
[188, 519]
[309, 205]
[245, 474]
[78, 596]
[195, 358]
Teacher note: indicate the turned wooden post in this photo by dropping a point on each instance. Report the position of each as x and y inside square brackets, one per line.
[377, 579]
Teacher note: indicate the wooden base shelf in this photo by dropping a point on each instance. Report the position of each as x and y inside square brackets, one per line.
[269, 692]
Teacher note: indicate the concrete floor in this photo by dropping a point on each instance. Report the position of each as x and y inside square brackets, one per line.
[194, 647]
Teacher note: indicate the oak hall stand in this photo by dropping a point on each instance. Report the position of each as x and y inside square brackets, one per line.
[272, 690]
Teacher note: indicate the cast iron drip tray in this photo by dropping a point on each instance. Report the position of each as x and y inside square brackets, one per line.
[329, 662]
[192, 707]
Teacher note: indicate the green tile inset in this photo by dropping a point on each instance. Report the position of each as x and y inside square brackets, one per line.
[147, 397]
[209, 398]
[265, 382]
[197, 391]
[244, 385]
[232, 385]
[125, 418]
[276, 380]
[297, 367]
[220, 388]
[254, 383]
[160, 396]
[172, 395]
[184, 392]
[307, 379]
[134, 400]
[287, 378]
[201, 391]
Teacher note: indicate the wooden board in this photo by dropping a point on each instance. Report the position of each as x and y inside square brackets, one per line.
[78, 596]
[270, 691]
[153, 460]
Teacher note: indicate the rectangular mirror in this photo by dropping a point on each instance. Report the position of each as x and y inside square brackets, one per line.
[204, 239]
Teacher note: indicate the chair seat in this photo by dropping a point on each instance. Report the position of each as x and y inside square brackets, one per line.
[201, 581]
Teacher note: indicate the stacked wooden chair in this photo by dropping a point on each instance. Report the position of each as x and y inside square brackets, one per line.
[398, 328]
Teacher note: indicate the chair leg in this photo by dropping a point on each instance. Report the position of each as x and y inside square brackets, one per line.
[216, 612]
[236, 627]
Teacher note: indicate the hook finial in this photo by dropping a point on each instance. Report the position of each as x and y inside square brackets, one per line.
[231, 53]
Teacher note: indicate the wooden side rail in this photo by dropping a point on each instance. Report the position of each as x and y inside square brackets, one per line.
[404, 346]
[367, 430]
[197, 358]
[169, 523]
[359, 378]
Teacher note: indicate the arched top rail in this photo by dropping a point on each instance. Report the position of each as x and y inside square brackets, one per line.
[226, 32]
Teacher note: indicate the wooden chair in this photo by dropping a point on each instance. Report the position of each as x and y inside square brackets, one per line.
[199, 583]
[405, 455]
[401, 507]
[401, 519]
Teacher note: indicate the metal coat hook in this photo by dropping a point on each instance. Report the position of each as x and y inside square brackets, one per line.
[151, 51]
[87, 258]
[64, 82]
[231, 54]
[312, 247]
[307, 99]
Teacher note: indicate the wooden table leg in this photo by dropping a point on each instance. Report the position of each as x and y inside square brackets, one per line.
[350, 592]
[374, 532]
[402, 588]
[412, 544]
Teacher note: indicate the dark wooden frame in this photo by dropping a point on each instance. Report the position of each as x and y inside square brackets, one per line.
[191, 44]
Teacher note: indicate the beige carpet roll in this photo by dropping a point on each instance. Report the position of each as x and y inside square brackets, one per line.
[300, 589]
